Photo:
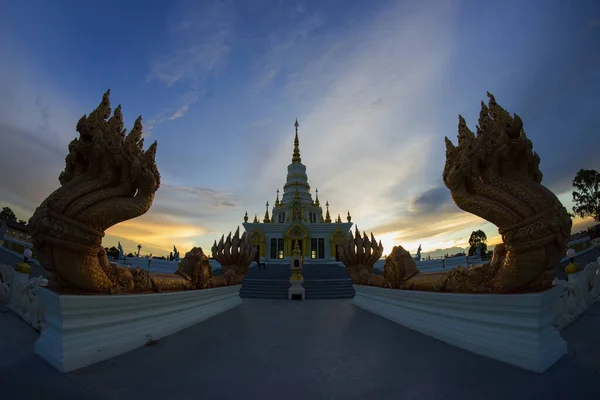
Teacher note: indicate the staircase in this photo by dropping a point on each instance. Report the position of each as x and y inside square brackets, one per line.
[329, 289]
[315, 289]
[265, 288]
[321, 281]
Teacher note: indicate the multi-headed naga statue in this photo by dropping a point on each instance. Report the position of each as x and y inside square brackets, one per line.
[495, 175]
[108, 178]
[359, 255]
[235, 256]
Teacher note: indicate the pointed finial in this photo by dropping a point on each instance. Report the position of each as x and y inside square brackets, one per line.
[296, 156]
[255, 218]
[317, 198]
[349, 218]
[246, 217]
[327, 216]
[277, 199]
[266, 218]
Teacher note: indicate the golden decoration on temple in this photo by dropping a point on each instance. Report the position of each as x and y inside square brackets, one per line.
[255, 219]
[349, 218]
[296, 156]
[246, 217]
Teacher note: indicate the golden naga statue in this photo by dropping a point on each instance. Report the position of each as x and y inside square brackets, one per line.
[495, 175]
[235, 256]
[108, 178]
[359, 255]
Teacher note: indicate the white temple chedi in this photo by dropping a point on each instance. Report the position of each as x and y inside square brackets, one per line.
[297, 217]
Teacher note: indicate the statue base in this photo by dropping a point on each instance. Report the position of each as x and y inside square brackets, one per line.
[80, 330]
[517, 329]
[296, 291]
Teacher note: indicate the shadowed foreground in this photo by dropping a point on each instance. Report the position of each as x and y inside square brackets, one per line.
[320, 349]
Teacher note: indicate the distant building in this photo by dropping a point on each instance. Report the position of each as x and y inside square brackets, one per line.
[297, 217]
[14, 230]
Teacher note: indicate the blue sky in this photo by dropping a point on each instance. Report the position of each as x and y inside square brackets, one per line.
[375, 86]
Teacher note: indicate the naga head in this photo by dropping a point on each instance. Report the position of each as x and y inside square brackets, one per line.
[108, 178]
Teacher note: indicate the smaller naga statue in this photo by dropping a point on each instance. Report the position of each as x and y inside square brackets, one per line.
[359, 255]
[235, 254]
[495, 175]
[108, 178]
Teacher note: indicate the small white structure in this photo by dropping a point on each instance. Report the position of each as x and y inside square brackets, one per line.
[20, 294]
[517, 329]
[579, 293]
[80, 330]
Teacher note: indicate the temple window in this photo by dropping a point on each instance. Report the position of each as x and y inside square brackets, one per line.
[277, 248]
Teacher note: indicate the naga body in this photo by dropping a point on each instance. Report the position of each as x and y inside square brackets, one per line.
[495, 175]
[108, 178]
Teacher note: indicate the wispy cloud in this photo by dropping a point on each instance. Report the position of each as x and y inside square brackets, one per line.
[369, 129]
[168, 114]
[302, 23]
[200, 37]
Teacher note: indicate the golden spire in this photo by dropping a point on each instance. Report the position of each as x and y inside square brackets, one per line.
[246, 217]
[339, 220]
[277, 199]
[267, 219]
[349, 218]
[296, 157]
[317, 198]
[255, 219]
[327, 216]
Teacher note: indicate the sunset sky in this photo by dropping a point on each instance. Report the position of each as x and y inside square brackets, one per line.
[375, 85]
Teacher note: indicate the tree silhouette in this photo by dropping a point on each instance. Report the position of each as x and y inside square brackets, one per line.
[477, 238]
[586, 195]
[8, 214]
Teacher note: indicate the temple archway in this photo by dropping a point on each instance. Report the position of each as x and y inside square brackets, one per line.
[259, 239]
[337, 237]
[297, 232]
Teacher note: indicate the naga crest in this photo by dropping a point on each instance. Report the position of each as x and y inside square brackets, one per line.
[359, 255]
[495, 175]
[234, 254]
[108, 178]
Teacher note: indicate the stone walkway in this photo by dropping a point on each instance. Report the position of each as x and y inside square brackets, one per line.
[319, 349]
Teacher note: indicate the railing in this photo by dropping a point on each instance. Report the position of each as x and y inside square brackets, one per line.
[17, 246]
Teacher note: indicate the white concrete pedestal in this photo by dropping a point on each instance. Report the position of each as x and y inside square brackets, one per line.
[80, 330]
[19, 281]
[296, 289]
[517, 329]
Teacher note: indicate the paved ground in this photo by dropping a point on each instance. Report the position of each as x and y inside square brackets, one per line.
[322, 349]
